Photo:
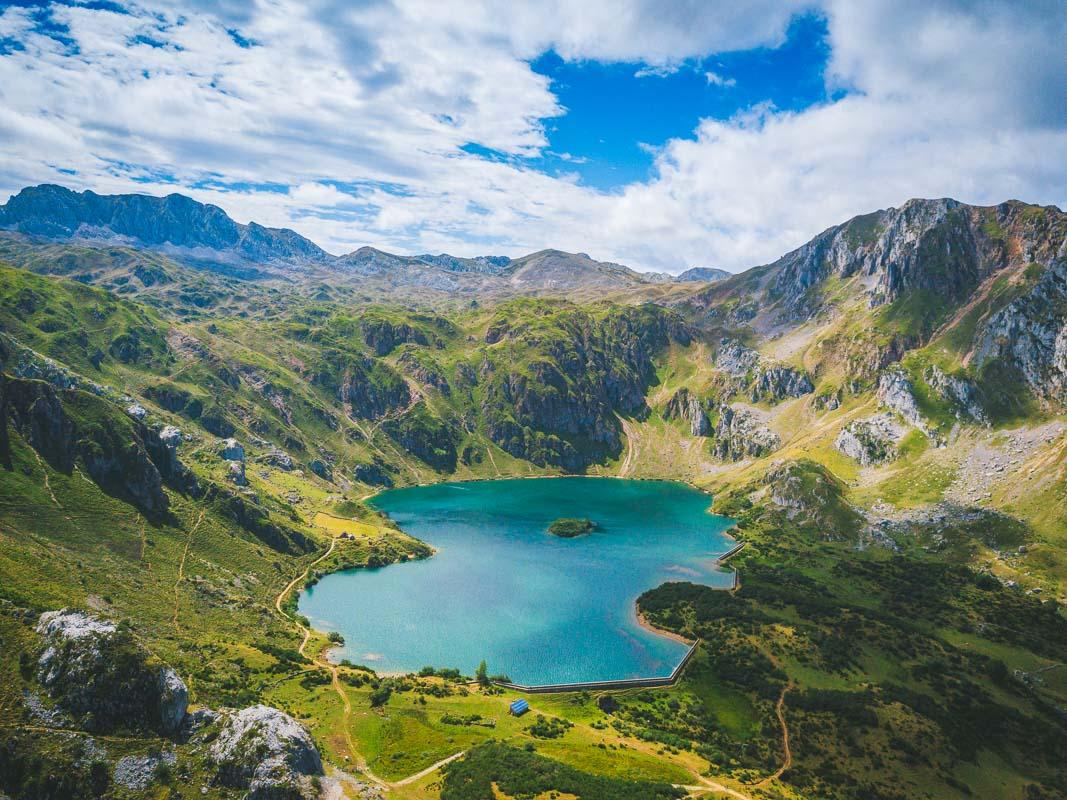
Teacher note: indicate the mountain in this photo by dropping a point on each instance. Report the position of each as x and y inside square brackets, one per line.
[703, 275]
[205, 236]
[882, 411]
[174, 223]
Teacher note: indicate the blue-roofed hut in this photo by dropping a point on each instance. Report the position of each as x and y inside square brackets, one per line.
[519, 707]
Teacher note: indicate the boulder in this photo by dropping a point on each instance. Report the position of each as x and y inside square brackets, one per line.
[267, 752]
[237, 473]
[137, 411]
[232, 450]
[95, 668]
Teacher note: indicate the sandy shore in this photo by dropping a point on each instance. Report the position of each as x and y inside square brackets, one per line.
[648, 626]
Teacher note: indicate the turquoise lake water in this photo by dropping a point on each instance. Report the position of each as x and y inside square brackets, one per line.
[536, 607]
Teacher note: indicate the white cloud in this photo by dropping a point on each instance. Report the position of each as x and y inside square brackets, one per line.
[359, 113]
[715, 79]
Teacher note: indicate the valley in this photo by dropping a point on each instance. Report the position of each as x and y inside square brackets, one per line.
[196, 432]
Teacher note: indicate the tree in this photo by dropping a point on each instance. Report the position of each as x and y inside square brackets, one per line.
[482, 674]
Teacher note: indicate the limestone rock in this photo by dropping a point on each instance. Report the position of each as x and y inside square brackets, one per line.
[960, 392]
[895, 392]
[684, 405]
[96, 668]
[267, 752]
[232, 450]
[237, 473]
[871, 441]
[740, 433]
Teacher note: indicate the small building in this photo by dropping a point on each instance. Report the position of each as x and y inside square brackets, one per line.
[519, 707]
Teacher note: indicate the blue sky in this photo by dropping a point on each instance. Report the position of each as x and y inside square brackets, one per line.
[618, 115]
[662, 134]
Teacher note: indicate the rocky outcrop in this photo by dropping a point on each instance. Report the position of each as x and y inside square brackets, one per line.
[424, 436]
[373, 474]
[236, 473]
[33, 408]
[759, 378]
[384, 335]
[267, 752]
[277, 457]
[371, 390]
[959, 392]
[740, 433]
[735, 359]
[231, 450]
[122, 455]
[321, 468]
[552, 392]
[95, 669]
[871, 441]
[1030, 334]
[425, 370]
[895, 392]
[684, 405]
[941, 246]
[776, 382]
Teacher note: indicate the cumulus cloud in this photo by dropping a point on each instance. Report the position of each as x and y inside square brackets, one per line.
[352, 122]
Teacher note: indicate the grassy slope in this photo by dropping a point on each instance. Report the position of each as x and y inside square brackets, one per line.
[100, 555]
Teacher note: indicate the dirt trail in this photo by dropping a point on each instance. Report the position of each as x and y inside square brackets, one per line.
[428, 770]
[47, 484]
[181, 567]
[787, 762]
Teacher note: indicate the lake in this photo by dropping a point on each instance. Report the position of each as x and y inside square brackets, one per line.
[537, 607]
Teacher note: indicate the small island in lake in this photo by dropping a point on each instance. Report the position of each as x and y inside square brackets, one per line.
[569, 527]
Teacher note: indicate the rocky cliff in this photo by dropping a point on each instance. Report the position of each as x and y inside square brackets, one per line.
[96, 670]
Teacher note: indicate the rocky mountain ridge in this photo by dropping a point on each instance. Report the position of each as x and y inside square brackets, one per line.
[205, 236]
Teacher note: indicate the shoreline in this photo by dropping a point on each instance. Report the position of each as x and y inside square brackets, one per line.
[643, 621]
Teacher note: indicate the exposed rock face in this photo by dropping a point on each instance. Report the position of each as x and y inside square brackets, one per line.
[938, 245]
[321, 468]
[702, 274]
[424, 436]
[774, 383]
[237, 473]
[552, 397]
[741, 434]
[94, 668]
[267, 752]
[960, 392]
[278, 458]
[171, 222]
[809, 493]
[1030, 334]
[425, 370]
[374, 474]
[758, 377]
[232, 450]
[871, 441]
[684, 405]
[371, 390]
[137, 411]
[383, 335]
[896, 392]
[735, 359]
[36, 412]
